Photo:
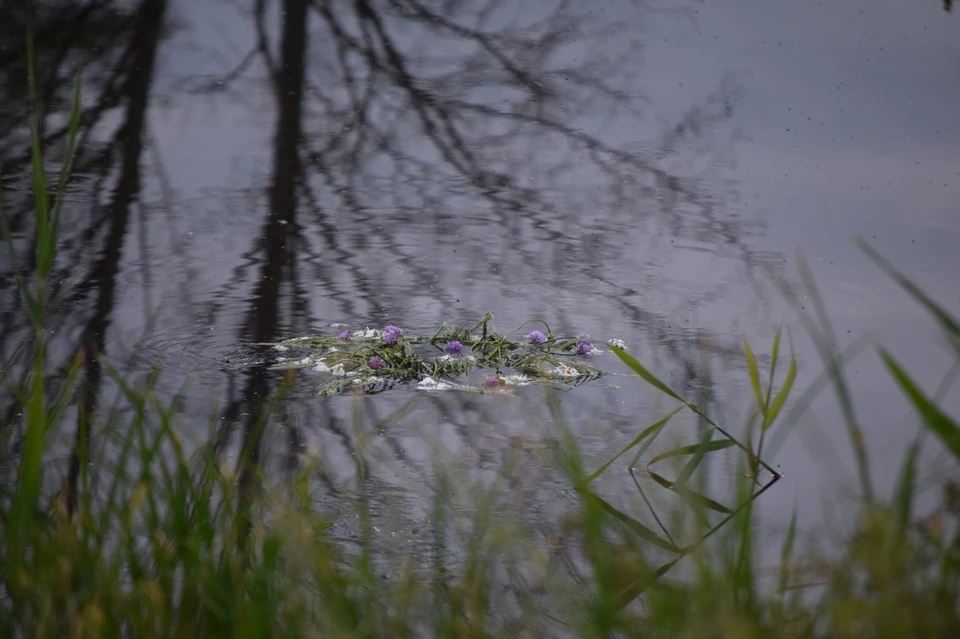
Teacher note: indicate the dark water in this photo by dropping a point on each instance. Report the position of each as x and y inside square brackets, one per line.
[253, 170]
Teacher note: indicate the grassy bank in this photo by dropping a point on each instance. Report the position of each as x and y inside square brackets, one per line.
[144, 538]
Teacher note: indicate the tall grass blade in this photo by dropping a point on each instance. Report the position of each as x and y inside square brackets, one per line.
[691, 496]
[906, 485]
[814, 388]
[933, 418]
[786, 552]
[691, 465]
[755, 378]
[774, 408]
[824, 338]
[949, 325]
[774, 359]
[650, 431]
[712, 447]
[639, 369]
[72, 128]
[40, 199]
[641, 531]
[34, 312]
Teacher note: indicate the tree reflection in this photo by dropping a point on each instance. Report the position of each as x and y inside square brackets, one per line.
[415, 144]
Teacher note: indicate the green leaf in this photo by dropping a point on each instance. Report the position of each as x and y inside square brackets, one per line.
[755, 378]
[41, 204]
[642, 531]
[691, 496]
[774, 359]
[787, 551]
[941, 425]
[782, 394]
[34, 312]
[697, 458]
[72, 128]
[650, 431]
[903, 500]
[946, 321]
[639, 369]
[713, 446]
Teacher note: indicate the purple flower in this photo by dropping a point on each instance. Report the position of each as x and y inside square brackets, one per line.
[584, 347]
[560, 341]
[453, 348]
[391, 333]
[376, 362]
[492, 380]
[584, 337]
[344, 336]
[536, 337]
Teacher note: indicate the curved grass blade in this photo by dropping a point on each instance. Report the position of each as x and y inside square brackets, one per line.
[814, 388]
[933, 418]
[755, 378]
[774, 359]
[712, 447]
[639, 369]
[903, 500]
[650, 431]
[72, 127]
[786, 552]
[641, 531]
[774, 408]
[824, 339]
[692, 497]
[695, 461]
[950, 326]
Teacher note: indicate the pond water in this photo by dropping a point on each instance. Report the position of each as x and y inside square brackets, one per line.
[252, 171]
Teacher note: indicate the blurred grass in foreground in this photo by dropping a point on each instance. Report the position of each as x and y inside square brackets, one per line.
[156, 544]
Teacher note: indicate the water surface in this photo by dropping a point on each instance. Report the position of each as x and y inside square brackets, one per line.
[249, 171]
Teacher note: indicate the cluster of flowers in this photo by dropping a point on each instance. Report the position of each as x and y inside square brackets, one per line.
[584, 347]
[454, 348]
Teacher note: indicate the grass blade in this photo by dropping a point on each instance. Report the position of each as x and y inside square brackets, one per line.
[691, 496]
[941, 425]
[72, 128]
[641, 531]
[41, 203]
[639, 369]
[695, 461]
[946, 321]
[903, 500]
[786, 552]
[774, 358]
[712, 447]
[755, 378]
[774, 409]
[650, 431]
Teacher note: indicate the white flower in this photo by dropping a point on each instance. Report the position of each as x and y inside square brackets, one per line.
[516, 380]
[619, 343]
[366, 333]
[321, 367]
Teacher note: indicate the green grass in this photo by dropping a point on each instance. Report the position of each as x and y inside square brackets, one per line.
[165, 544]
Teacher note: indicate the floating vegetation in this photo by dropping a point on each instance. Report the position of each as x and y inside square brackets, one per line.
[475, 359]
